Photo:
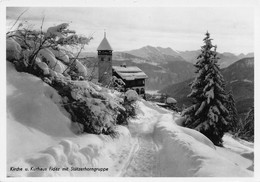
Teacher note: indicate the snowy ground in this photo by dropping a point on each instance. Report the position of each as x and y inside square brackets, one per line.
[39, 137]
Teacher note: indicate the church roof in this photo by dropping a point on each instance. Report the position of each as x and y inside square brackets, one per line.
[104, 45]
[130, 72]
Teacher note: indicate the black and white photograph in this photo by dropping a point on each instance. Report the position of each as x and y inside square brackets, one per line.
[129, 90]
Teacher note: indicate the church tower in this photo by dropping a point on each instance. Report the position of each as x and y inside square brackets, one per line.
[104, 61]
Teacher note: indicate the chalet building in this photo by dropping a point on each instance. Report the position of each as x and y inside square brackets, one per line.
[133, 77]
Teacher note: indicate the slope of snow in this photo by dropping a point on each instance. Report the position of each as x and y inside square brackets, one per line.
[32, 114]
[35, 120]
[166, 149]
[152, 145]
[181, 154]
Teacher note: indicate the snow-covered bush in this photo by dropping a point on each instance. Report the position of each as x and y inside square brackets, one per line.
[25, 47]
[46, 55]
[80, 69]
[117, 84]
[13, 50]
[131, 96]
[129, 105]
[88, 104]
[172, 104]
[44, 67]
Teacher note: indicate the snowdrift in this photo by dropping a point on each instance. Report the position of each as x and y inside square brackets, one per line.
[187, 153]
[35, 120]
[89, 155]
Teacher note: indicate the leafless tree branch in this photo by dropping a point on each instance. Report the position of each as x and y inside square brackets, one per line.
[17, 20]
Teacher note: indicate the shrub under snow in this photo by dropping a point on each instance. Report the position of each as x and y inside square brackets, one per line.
[48, 57]
[94, 108]
[131, 95]
[129, 105]
[13, 50]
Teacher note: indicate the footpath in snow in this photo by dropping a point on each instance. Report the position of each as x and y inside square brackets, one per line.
[152, 145]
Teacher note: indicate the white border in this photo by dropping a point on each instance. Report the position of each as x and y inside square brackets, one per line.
[126, 3]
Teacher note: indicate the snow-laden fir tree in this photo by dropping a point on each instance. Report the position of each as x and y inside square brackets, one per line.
[247, 129]
[233, 116]
[208, 114]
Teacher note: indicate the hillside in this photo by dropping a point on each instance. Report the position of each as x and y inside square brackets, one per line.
[239, 78]
[153, 145]
[161, 75]
[164, 66]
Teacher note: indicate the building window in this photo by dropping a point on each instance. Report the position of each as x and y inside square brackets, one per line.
[102, 59]
[109, 59]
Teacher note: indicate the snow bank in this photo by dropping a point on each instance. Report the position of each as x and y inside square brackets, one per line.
[80, 155]
[183, 152]
[35, 121]
[32, 114]
[239, 146]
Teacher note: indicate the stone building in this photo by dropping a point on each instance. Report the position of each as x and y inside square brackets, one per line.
[133, 77]
[104, 61]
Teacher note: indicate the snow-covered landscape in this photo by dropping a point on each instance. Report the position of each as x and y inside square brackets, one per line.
[97, 92]
[39, 137]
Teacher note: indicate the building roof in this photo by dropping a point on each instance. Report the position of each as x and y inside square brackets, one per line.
[130, 72]
[104, 45]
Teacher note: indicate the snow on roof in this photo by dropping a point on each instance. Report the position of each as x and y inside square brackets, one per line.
[104, 45]
[127, 69]
[130, 72]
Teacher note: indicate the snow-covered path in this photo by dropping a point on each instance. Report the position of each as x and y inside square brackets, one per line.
[149, 155]
[144, 162]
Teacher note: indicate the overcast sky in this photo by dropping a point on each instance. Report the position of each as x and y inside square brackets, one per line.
[180, 28]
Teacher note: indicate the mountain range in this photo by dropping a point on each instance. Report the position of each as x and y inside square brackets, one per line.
[156, 54]
[160, 55]
[165, 66]
[225, 59]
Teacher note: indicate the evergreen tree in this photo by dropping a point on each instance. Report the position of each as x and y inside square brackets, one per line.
[247, 132]
[208, 114]
[233, 125]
